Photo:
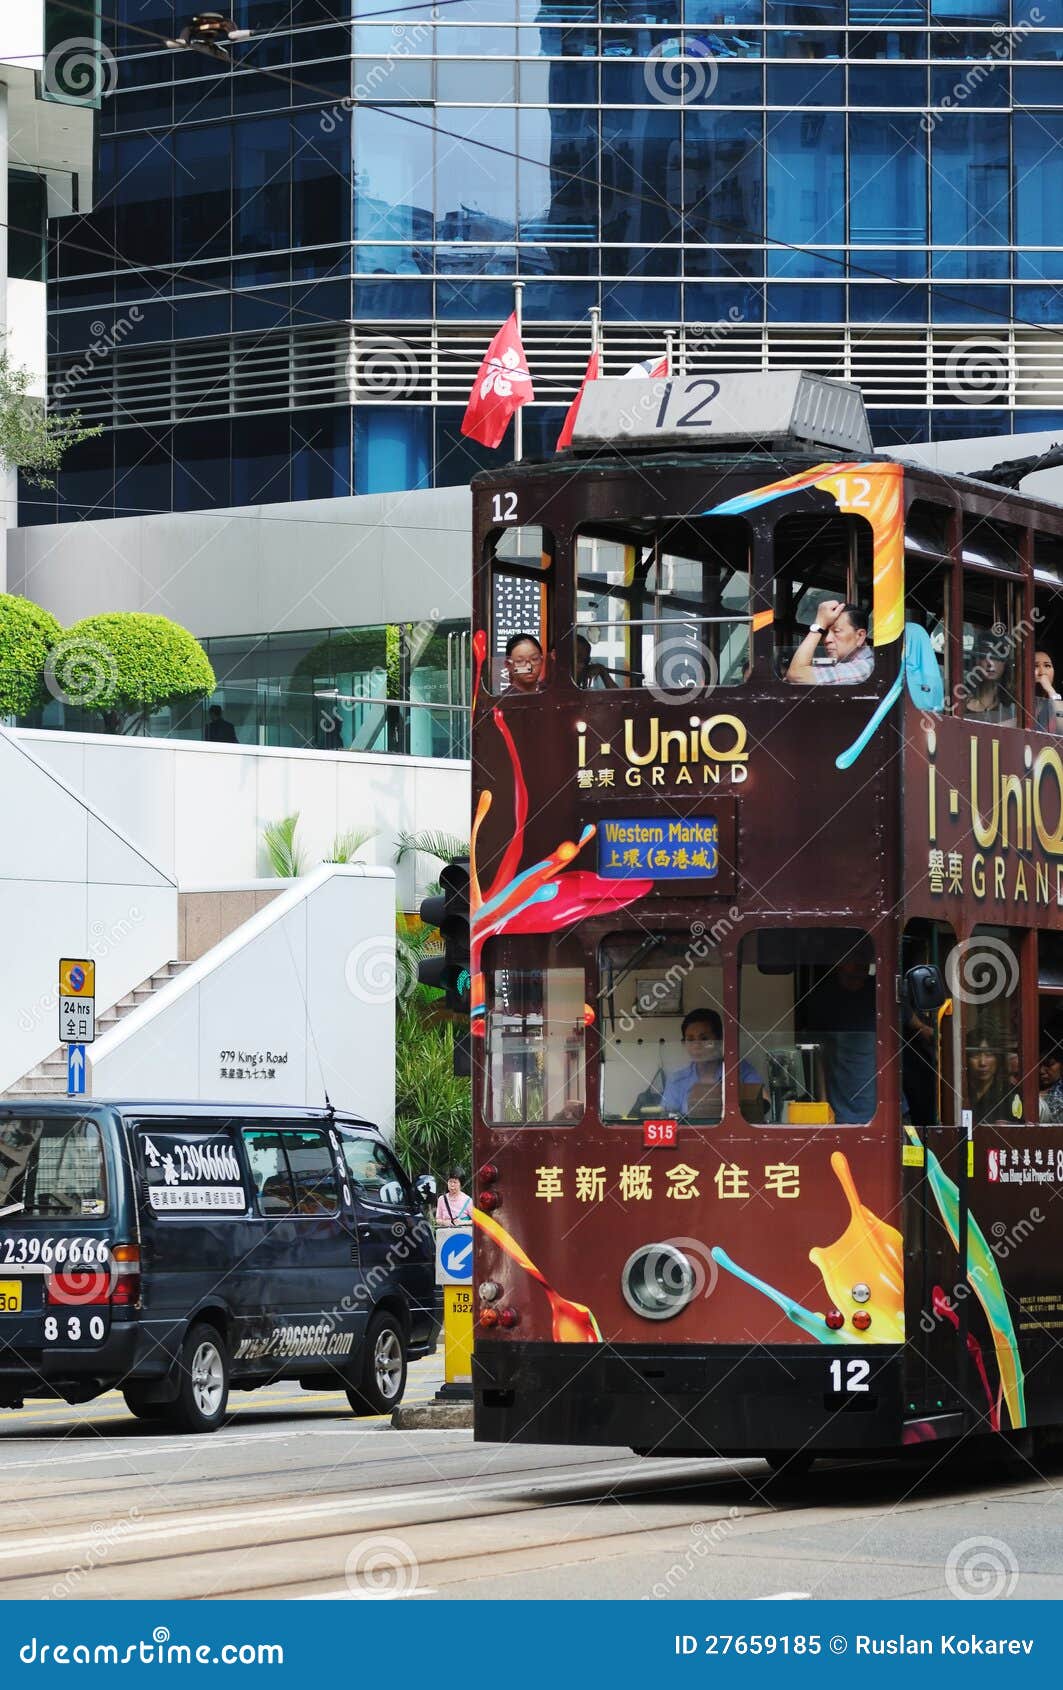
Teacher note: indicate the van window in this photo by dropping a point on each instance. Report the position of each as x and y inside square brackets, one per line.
[51, 1167]
[374, 1175]
[269, 1170]
[313, 1173]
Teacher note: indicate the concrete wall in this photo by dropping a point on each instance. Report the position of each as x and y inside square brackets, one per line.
[207, 917]
[70, 885]
[198, 810]
[298, 1002]
[326, 563]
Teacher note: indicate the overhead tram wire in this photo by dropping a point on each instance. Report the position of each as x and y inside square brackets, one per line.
[349, 103]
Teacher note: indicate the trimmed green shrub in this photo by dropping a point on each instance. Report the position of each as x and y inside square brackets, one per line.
[129, 663]
[27, 636]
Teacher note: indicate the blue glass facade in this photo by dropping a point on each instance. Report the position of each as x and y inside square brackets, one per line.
[865, 186]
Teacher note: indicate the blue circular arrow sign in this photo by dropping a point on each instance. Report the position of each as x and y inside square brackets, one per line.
[455, 1256]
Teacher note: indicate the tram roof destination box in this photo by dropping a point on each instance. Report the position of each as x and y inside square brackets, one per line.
[760, 411]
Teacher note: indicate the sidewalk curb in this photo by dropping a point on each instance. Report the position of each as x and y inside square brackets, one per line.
[432, 1416]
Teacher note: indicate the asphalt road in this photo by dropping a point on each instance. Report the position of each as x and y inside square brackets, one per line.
[294, 1498]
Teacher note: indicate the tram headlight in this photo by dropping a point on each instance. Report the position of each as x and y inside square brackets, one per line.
[861, 1293]
[490, 1291]
[658, 1281]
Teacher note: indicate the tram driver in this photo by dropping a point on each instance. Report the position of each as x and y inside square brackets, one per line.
[696, 1090]
[841, 630]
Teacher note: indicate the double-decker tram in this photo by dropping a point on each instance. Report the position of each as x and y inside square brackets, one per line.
[767, 900]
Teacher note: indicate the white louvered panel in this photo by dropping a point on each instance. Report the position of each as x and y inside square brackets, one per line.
[425, 363]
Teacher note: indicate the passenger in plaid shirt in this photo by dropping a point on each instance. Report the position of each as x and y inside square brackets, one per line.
[841, 630]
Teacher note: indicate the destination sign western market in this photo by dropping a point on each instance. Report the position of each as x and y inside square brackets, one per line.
[685, 848]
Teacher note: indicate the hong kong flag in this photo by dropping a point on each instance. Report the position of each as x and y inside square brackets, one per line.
[565, 437]
[502, 386]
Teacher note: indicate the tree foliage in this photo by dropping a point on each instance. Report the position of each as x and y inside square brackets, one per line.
[128, 662]
[27, 636]
[433, 1105]
[31, 438]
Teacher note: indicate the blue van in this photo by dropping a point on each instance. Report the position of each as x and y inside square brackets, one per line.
[177, 1251]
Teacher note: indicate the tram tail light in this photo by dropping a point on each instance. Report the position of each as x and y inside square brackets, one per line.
[488, 1317]
[490, 1200]
[487, 1174]
[509, 1318]
[861, 1320]
[835, 1320]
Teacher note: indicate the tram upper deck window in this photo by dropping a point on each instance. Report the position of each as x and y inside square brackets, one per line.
[991, 685]
[821, 559]
[807, 1023]
[664, 1030]
[927, 577]
[666, 607]
[1047, 711]
[534, 1036]
[520, 579]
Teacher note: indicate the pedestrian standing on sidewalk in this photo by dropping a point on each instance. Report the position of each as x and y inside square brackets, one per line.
[455, 1206]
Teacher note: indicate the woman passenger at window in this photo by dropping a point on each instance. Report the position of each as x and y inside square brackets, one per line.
[1048, 705]
[988, 1095]
[988, 695]
[696, 1091]
[524, 663]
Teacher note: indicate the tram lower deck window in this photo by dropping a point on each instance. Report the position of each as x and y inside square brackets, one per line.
[807, 1016]
[664, 1030]
[534, 1054]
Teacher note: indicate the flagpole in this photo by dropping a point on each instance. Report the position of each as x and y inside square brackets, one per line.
[518, 420]
[596, 329]
[669, 338]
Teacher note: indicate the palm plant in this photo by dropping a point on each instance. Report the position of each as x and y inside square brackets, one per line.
[345, 846]
[287, 858]
[444, 846]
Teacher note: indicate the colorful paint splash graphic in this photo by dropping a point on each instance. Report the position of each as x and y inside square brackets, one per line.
[572, 1323]
[869, 1251]
[538, 899]
[985, 1282]
[870, 490]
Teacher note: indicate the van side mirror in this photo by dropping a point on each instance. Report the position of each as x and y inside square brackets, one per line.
[924, 988]
[427, 1190]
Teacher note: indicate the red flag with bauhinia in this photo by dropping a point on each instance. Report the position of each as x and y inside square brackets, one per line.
[652, 367]
[565, 437]
[501, 387]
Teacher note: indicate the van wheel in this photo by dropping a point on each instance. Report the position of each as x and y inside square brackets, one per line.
[203, 1381]
[143, 1410]
[383, 1378]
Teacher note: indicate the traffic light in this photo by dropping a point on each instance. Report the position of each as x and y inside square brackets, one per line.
[449, 912]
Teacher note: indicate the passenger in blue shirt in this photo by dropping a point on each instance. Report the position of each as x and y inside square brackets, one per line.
[696, 1091]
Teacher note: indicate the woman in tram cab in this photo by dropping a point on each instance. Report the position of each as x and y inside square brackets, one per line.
[696, 1090]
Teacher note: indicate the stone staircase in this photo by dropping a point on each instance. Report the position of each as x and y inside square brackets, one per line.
[48, 1079]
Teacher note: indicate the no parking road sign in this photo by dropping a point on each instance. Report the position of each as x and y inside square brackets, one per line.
[77, 1000]
[454, 1256]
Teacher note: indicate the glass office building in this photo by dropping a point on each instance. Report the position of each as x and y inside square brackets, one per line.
[296, 262]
